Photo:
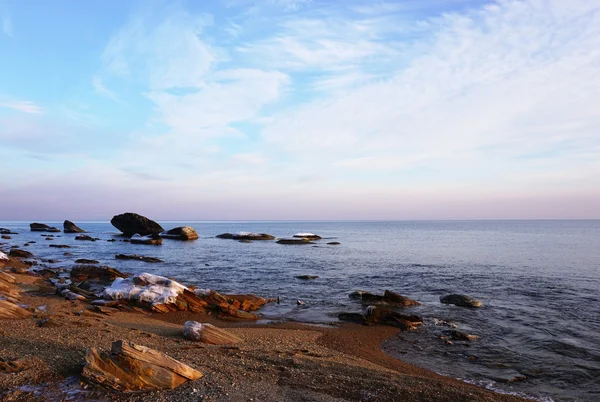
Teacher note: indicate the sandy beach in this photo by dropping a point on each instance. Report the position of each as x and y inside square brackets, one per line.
[273, 362]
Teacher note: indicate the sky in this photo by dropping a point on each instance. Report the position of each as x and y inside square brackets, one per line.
[300, 109]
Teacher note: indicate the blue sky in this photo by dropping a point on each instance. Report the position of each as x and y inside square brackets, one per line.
[300, 109]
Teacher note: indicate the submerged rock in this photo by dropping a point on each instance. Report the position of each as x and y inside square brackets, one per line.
[137, 257]
[85, 238]
[294, 240]
[131, 367]
[152, 240]
[334, 243]
[307, 277]
[131, 223]
[246, 236]
[181, 233]
[59, 246]
[461, 300]
[70, 227]
[6, 237]
[86, 261]
[208, 333]
[42, 227]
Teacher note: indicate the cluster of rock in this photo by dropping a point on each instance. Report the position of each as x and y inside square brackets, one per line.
[163, 295]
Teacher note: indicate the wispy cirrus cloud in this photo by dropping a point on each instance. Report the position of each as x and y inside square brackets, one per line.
[23, 106]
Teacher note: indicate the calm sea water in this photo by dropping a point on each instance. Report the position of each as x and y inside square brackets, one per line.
[539, 281]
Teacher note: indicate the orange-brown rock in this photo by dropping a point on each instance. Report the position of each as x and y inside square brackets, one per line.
[249, 302]
[131, 367]
[208, 333]
[10, 310]
[103, 273]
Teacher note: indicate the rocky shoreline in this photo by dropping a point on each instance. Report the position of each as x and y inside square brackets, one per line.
[169, 341]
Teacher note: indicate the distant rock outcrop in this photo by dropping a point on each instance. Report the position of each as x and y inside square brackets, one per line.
[181, 233]
[70, 227]
[42, 227]
[131, 223]
[246, 236]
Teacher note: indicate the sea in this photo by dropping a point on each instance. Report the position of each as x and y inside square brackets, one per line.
[539, 280]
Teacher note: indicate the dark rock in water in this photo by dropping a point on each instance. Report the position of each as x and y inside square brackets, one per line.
[334, 243]
[310, 236]
[70, 227]
[460, 336]
[59, 246]
[154, 239]
[85, 238]
[180, 233]
[130, 223]
[6, 237]
[67, 254]
[111, 240]
[294, 240]
[246, 236]
[461, 300]
[378, 315]
[86, 261]
[4, 231]
[137, 257]
[395, 298]
[15, 252]
[245, 241]
[388, 297]
[41, 227]
[307, 277]
[81, 273]
[353, 317]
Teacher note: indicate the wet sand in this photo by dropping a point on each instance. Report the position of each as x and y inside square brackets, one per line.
[292, 362]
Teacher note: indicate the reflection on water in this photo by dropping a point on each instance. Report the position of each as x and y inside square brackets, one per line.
[539, 281]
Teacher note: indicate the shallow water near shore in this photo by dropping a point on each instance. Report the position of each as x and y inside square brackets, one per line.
[539, 281]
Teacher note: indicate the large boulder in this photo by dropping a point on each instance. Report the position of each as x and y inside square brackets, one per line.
[208, 333]
[42, 227]
[131, 367]
[70, 227]
[130, 223]
[461, 300]
[181, 233]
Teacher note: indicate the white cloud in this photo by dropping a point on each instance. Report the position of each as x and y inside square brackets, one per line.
[23, 106]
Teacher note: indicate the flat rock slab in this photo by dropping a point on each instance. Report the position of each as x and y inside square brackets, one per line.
[137, 257]
[131, 367]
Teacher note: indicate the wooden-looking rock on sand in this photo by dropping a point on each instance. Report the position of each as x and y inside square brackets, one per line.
[208, 333]
[131, 367]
